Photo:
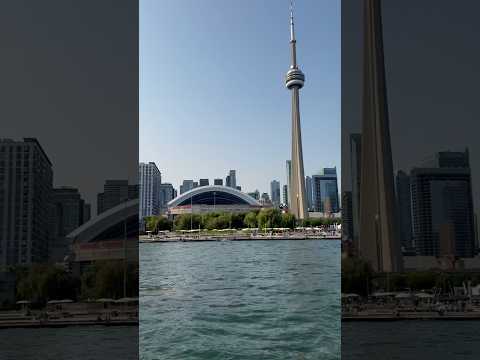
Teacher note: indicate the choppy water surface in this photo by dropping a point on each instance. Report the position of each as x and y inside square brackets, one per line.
[240, 300]
[412, 339]
[70, 343]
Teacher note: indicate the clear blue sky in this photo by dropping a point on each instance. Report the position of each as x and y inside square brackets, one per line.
[212, 93]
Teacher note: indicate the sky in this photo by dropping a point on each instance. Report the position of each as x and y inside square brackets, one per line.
[212, 91]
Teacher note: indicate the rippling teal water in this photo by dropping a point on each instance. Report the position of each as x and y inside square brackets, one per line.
[70, 343]
[412, 339]
[240, 300]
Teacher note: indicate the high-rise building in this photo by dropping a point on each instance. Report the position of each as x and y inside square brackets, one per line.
[186, 186]
[114, 193]
[442, 207]
[347, 219]
[218, 182]
[325, 191]
[275, 192]
[309, 191]
[203, 182]
[285, 194]
[87, 212]
[68, 213]
[453, 159]
[150, 180]
[378, 243]
[167, 193]
[404, 211]
[294, 81]
[289, 179]
[255, 194]
[231, 179]
[26, 177]
[265, 199]
[355, 174]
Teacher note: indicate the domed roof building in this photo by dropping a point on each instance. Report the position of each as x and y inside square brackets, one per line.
[205, 199]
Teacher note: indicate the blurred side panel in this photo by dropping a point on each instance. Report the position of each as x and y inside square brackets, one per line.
[68, 179]
[410, 165]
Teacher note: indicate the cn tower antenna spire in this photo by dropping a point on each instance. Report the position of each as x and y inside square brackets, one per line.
[292, 38]
[292, 25]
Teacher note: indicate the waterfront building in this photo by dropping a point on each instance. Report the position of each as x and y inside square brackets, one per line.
[404, 205]
[187, 185]
[325, 191]
[207, 199]
[448, 159]
[442, 207]
[294, 81]
[265, 199]
[347, 216]
[275, 192]
[285, 194]
[150, 180]
[167, 194]
[218, 182]
[378, 243]
[289, 180]
[255, 195]
[87, 212]
[25, 201]
[67, 214]
[203, 182]
[355, 174]
[231, 179]
[309, 191]
[115, 192]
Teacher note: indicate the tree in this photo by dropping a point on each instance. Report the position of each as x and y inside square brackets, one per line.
[187, 221]
[150, 223]
[43, 282]
[288, 220]
[356, 276]
[269, 218]
[237, 221]
[250, 219]
[421, 280]
[223, 221]
[104, 279]
[163, 224]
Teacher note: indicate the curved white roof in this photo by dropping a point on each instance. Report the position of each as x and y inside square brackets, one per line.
[204, 189]
[105, 220]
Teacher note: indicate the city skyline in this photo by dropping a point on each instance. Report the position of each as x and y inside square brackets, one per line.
[198, 129]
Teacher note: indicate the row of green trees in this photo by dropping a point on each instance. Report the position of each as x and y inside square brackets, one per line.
[359, 278]
[103, 279]
[265, 218]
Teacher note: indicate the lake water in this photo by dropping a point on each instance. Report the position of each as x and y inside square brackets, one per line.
[412, 339]
[240, 300]
[70, 343]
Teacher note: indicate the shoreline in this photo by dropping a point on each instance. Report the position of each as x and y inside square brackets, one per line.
[203, 238]
[36, 324]
[412, 316]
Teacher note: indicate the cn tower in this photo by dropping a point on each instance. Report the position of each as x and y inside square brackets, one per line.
[294, 82]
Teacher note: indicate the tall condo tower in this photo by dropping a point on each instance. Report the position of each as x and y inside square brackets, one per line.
[378, 235]
[294, 82]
